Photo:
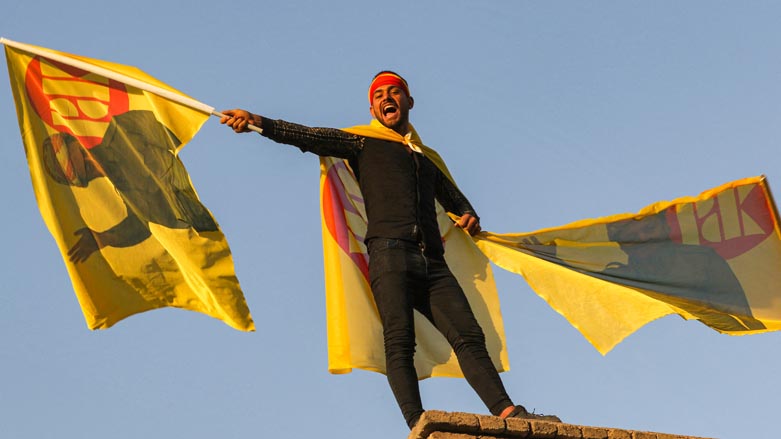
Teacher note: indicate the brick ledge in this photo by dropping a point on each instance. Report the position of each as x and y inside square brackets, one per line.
[454, 425]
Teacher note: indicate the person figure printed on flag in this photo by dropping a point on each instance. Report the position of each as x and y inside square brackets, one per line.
[133, 140]
[399, 183]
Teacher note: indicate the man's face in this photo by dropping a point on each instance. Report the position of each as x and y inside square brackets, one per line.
[390, 106]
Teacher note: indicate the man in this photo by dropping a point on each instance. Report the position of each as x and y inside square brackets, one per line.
[407, 270]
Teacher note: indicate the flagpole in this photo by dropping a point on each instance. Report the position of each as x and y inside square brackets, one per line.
[167, 94]
[133, 82]
[773, 205]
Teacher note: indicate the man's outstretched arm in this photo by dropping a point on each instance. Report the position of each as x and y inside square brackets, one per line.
[327, 142]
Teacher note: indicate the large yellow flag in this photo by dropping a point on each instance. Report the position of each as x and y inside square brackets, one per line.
[355, 337]
[715, 258]
[102, 143]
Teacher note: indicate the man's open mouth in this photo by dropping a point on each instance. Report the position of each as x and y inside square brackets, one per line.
[389, 109]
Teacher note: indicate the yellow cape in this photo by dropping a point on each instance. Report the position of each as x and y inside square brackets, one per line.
[378, 131]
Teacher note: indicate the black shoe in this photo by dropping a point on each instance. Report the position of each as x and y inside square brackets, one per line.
[520, 412]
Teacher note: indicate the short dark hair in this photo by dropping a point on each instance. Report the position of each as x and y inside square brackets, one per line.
[391, 72]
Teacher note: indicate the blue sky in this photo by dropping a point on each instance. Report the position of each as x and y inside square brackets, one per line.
[546, 112]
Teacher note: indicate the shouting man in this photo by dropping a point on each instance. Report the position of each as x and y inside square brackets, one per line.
[407, 270]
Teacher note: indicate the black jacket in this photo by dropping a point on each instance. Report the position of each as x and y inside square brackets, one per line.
[399, 186]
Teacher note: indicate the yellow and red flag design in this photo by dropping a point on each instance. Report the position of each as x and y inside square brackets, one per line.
[715, 258]
[355, 337]
[103, 156]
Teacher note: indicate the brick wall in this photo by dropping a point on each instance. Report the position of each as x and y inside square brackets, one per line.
[443, 425]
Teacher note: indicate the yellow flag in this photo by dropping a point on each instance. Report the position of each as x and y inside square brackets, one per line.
[355, 337]
[715, 258]
[102, 144]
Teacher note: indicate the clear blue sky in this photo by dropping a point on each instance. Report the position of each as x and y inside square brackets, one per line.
[546, 112]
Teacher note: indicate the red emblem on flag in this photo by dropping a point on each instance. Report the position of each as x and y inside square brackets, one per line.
[80, 106]
[751, 221]
[336, 205]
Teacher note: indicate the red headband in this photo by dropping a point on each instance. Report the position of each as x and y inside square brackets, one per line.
[388, 79]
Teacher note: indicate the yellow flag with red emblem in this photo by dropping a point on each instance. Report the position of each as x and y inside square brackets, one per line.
[715, 258]
[102, 143]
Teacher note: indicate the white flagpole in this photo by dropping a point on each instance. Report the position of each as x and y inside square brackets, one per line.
[133, 82]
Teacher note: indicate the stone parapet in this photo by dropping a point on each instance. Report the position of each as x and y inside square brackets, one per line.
[446, 425]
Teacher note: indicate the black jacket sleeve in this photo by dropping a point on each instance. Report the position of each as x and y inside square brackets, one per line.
[451, 198]
[327, 142]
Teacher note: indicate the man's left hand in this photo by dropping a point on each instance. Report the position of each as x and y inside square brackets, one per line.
[469, 223]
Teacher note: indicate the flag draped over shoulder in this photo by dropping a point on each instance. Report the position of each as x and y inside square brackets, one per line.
[355, 337]
[715, 258]
[103, 156]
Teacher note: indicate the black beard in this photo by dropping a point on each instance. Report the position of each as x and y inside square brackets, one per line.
[399, 126]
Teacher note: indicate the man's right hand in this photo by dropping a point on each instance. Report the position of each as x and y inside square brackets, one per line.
[239, 120]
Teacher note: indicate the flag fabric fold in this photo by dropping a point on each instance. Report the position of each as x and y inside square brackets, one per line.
[102, 143]
[715, 258]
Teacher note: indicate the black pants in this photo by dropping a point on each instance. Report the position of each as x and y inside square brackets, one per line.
[403, 279]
